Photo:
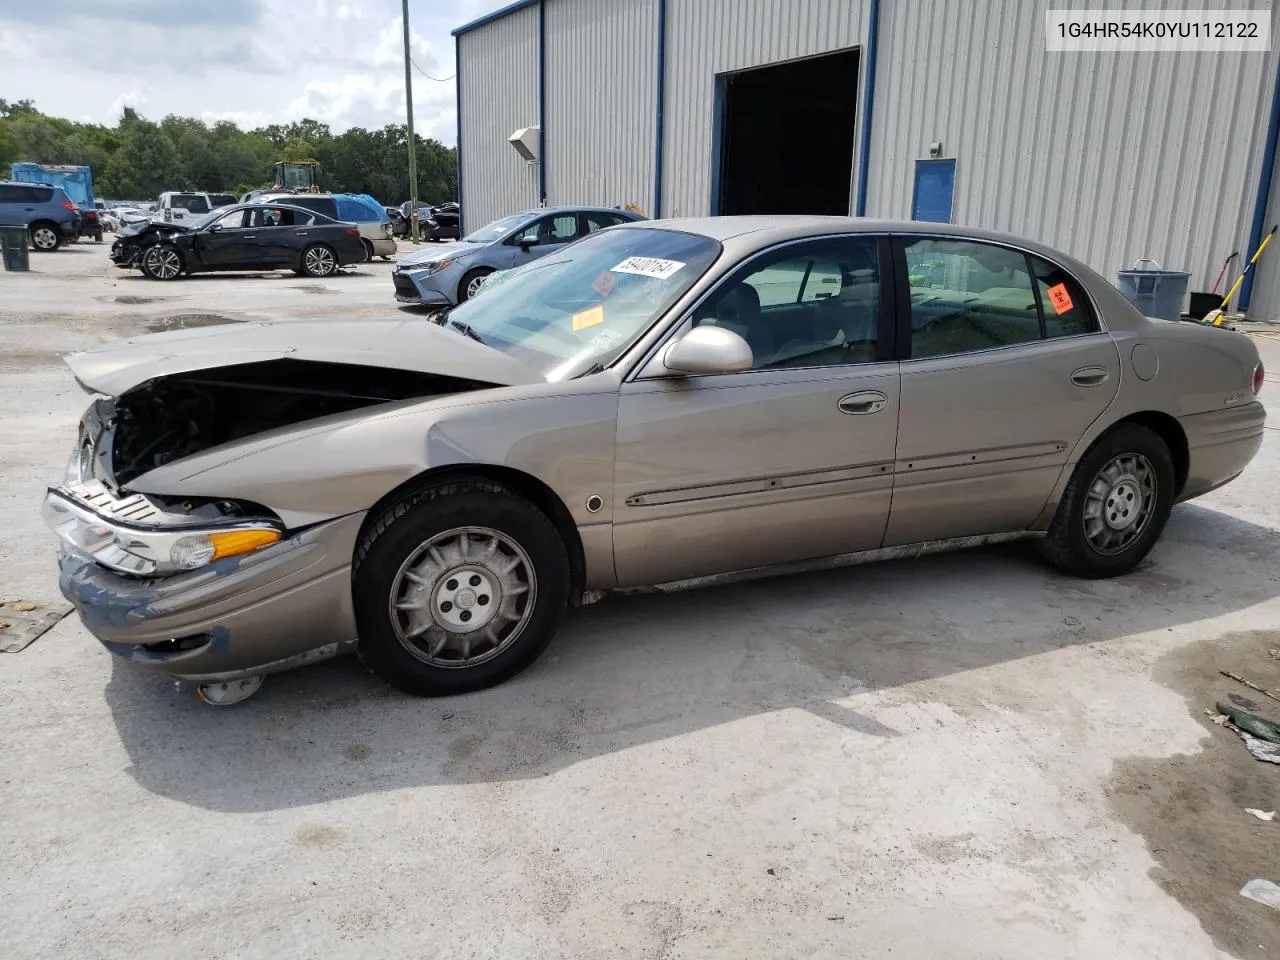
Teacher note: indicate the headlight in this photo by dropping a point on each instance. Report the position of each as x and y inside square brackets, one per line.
[435, 266]
[152, 551]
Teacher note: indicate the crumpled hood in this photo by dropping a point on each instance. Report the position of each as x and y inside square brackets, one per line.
[398, 344]
[438, 251]
[135, 227]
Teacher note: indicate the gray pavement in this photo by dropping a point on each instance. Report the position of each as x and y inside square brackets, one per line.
[964, 756]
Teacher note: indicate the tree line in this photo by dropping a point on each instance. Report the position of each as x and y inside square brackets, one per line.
[138, 159]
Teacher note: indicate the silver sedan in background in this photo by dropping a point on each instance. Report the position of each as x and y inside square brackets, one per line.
[662, 401]
[448, 274]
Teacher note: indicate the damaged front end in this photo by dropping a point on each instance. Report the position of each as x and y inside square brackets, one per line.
[202, 587]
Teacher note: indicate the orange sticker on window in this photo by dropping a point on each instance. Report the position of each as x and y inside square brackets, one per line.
[1060, 298]
[588, 318]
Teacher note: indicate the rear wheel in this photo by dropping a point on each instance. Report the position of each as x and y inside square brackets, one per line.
[368, 250]
[45, 237]
[161, 262]
[471, 282]
[458, 587]
[1115, 506]
[319, 261]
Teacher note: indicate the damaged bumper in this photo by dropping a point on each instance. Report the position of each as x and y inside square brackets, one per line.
[277, 608]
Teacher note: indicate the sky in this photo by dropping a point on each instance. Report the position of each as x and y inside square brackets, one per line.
[252, 61]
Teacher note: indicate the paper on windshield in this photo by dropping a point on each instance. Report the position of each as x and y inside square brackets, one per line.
[587, 318]
[653, 267]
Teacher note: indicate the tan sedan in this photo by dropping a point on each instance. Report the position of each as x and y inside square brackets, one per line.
[661, 401]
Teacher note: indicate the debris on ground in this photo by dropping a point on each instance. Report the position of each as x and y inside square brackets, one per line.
[1261, 749]
[23, 622]
[1251, 723]
[1262, 891]
[1261, 814]
[1251, 685]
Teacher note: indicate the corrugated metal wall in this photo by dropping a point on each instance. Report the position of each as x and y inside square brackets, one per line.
[1265, 302]
[499, 92]
[601, 101]
[707, 37]
[1107, 156]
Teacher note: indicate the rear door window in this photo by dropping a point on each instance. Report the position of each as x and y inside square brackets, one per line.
[1067, 311]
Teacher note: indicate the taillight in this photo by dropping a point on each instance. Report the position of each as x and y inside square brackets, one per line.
[91, 215]
[353, 231]
[1258, 374]
[70, 206]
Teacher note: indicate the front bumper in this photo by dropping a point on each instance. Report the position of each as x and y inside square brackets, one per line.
[255, 613]
[420, 289]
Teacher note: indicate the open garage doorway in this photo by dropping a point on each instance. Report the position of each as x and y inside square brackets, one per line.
[785, 137]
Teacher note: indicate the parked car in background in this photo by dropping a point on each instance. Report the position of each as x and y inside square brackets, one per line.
[446, 275]
[91, 225]
[251, 236]
[434, 223]
[177, 206]
[399, 223]
[49, 215]
[362, 210]
[659, 402]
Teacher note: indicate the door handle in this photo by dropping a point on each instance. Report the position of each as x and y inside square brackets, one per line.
[250, 236]
[304, 233]
[1089, 376]
[868, 401]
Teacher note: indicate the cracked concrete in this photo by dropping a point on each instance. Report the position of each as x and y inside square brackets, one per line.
[934, 758]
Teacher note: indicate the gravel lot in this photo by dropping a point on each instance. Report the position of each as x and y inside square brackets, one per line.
[964, 756]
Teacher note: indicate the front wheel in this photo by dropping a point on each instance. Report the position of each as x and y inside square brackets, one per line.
[458, 587]
[1115, 506]
[471, 283]
[161, 262]
[319, 261]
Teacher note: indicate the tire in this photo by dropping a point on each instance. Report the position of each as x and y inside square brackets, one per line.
[45, 237]
[469, 283]
[368, 250]
[162, 261]
[415, 553]
[1115, 506]
[319, 260]
[97, 235]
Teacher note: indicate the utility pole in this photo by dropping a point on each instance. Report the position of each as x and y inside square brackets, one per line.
[408, 102]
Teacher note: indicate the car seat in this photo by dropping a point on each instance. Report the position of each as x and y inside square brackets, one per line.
[738, 309]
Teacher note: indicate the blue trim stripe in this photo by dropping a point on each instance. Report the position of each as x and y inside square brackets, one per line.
[868, 100]
[496, 15]
[662, 101]
[1264, 192]
[542, 103]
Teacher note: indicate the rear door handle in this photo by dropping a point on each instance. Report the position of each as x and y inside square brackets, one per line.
[250, 236]
[868, 401]
[304, 233]
[1089, 376]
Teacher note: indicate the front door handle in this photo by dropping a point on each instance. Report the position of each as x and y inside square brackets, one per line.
[1089, 376]
[868, 401]
[304, 233]
[250, 236]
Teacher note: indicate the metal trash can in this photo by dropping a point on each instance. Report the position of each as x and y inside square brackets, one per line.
[13, 248]
[1156, 292]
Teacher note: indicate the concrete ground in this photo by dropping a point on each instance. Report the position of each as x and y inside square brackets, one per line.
[961, 757]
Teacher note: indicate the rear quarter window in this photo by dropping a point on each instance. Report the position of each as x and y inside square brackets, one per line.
[318, 204]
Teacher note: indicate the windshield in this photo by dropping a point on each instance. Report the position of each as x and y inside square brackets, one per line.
[582, 306]
[499, 228]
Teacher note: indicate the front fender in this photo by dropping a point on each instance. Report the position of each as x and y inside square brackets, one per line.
[561, 434]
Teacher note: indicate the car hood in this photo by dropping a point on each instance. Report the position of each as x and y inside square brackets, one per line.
[439, 251]
[132, 228]
[416, 345]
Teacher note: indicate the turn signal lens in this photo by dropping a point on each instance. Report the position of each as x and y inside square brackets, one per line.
[235, 542]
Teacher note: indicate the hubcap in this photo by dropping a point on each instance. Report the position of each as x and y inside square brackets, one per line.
[474, 286]
[164, 263]
[44, 238]
[463, 597]
[1119, 503]
[319, 261]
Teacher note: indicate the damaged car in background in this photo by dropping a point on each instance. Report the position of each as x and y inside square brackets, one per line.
[662, 401]
[246, 236]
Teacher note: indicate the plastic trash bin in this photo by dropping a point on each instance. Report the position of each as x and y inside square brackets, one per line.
[1156, 292]
[13, 248]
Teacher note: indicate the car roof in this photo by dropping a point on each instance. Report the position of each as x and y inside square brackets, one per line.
[27, 183]
[535, 211]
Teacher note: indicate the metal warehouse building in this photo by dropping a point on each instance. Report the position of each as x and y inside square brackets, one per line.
[933, 109]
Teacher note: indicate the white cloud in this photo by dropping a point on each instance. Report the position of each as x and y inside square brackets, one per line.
[133, 97]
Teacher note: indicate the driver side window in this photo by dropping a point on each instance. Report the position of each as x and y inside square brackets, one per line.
[233, 220]
[807, 305]
[546, 230]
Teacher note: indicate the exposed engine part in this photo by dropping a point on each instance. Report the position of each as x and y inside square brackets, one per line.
[178, 416]
[229, 692]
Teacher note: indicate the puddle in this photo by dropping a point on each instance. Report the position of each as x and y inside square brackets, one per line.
[132, 300]
[1190, 807]
[186, 321]
[314, 288]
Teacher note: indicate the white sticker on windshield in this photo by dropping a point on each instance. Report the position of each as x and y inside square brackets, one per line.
[649, 267]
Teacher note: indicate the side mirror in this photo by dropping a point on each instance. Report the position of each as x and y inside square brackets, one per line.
[527, 243]
[215, 228]
[708, 350]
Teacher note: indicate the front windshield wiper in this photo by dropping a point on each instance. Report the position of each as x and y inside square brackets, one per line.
[465, 329]
[595, 368]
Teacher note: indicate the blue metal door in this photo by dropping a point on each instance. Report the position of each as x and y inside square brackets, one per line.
[935, 189]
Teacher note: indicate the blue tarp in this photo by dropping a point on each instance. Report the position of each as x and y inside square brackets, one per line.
[76, 182]
[359, 208]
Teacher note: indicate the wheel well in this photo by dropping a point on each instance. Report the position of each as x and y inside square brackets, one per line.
[1174, 437]
[528, 486]
[462, 284]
